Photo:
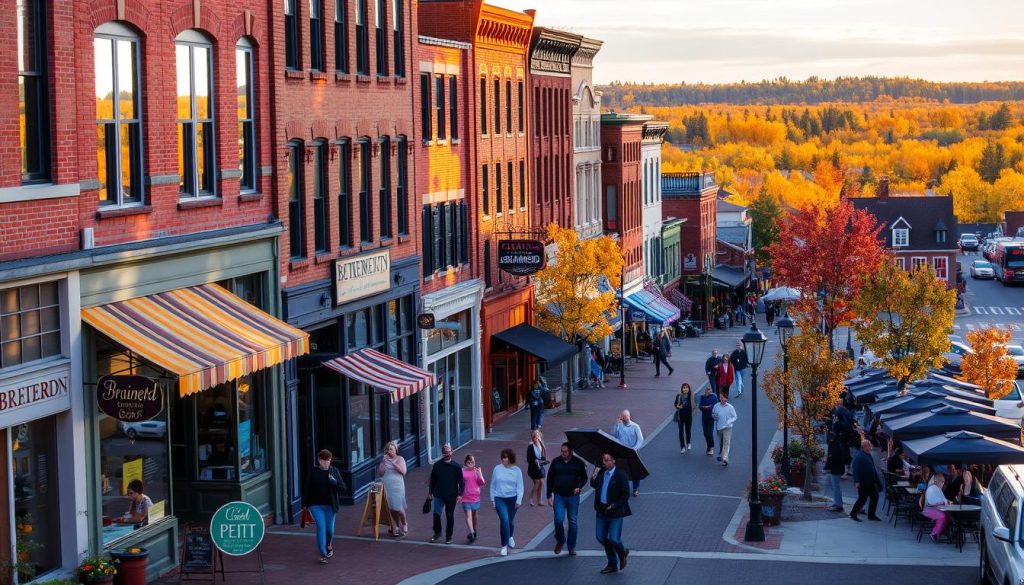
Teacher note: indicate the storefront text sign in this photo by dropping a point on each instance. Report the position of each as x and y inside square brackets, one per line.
[130, 398]
[520, 257]
[690, 262]
[237, 528]
[360, 276]
[26, 398]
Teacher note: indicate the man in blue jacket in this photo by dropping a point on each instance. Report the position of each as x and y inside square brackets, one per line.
[866, 480]
[611, 502]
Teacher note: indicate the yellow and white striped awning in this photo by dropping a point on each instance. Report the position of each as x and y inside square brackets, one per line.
[204, 334]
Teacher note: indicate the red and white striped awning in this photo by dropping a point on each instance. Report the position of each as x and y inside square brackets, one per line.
[382, 372]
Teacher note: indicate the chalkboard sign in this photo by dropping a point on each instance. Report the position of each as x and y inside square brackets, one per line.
[198, 554]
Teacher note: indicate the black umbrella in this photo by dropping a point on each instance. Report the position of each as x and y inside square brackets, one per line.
[952, 381]
[963, 447]
[591, 444]
[866, 378]
[868, 394]
[916, 401]
[950, 418]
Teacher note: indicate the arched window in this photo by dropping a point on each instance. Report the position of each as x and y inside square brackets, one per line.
[118, 115]
[196, 139]
[319, 196]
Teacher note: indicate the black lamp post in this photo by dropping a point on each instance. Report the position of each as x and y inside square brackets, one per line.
[786, 327]
[622, 331]
[754, 342]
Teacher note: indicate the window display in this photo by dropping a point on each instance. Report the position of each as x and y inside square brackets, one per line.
[36, 508]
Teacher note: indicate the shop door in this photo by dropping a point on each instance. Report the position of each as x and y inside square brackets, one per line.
[506, 383]
[445, 405]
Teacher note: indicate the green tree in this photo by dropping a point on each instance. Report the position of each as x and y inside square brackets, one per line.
[993, 161]
[1001, 119]
[765, 213]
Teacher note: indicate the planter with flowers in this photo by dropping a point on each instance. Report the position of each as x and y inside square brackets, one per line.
[798, 456]
[771, 490]
[96, 570]
[131, 565]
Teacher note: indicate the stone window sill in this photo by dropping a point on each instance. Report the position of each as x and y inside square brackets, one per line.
[200, 203]
[294, 74]
[124, 211]
[250, 197]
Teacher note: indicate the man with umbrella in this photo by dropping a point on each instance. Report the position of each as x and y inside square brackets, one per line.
[611, 503]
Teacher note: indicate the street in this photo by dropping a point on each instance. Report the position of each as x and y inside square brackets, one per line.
[990, 303]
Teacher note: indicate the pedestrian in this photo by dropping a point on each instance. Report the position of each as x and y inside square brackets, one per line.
[725, 374]
[769, 313]
[934, 497]
[740, 361]
[629, 434]
[835, 464]
[473, 478]
[392, 470]
[506, 496]
[445, 490]
[845, 427]
[684, 416]
[866, 480]
[725, 417]
[709, 368]
[536, 461]
[611, 504]
[320, 497]
[538, 394]
[661, 348]
[707, 403]
[566, 477]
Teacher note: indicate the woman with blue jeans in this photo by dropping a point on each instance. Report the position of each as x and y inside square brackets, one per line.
[320, 496]
[506, 496]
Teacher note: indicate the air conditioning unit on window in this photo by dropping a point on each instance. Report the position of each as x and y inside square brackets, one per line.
[88, 239]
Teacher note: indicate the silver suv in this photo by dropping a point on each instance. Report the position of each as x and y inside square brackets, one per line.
[1002, 542]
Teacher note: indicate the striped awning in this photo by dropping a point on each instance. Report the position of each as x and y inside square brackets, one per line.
[382, 372]
[654, 306]
[204, 334]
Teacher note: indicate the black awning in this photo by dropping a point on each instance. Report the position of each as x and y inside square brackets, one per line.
[540, 344]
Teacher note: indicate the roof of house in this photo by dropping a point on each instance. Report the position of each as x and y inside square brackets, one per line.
[722, 206]
[925, 215]
[738, 236]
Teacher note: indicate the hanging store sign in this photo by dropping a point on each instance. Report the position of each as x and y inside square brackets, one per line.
[425, 320]
[360, 276]
[24, 399]
[520, 257]
[130, 398]
[690, 262]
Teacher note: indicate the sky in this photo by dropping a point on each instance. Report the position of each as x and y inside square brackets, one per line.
[673, 41]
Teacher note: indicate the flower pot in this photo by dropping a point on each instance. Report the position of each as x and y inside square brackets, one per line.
[131, 568]
[797, 476]
[771, 508]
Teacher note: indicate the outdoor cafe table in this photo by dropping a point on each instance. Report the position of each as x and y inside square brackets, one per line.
[965, 518]
[963, 508]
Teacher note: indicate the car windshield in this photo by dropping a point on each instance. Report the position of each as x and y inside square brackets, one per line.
[1014, 350]
[982, 264]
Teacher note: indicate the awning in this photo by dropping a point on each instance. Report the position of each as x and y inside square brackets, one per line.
[728, 277]
[681, 300]
[540, 344]
[203, 334]
[655, 306]
[383, 372]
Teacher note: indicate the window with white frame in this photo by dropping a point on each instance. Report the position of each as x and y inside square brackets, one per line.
[118, 115]
[196, 142]
[246, 116]
[900, 238]
[918, 262]
[901, 262]
[941, 266]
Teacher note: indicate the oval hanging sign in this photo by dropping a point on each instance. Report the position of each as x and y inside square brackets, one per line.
[520, 257]
[130, 398]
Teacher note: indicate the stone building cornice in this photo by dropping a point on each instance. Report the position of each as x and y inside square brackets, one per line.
[552, 50]
[584, 56]
[504, 29]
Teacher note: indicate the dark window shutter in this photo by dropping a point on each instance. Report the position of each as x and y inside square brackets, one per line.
[428, 243]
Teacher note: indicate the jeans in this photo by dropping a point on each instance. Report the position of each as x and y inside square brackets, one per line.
[609, 534]
[449, 516]
[708, 426]
[659, 358]
[724, 443]
[566, 506]
[536, 417]
[323, 515]
[506, 508]
[738, 380]
[837, 489]
[713, 382]
[685, 432]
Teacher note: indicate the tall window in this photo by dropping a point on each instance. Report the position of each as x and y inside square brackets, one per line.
[365, 213]
[345, 192]
[316, 35]
[463, 232]
[296, 217]
[118, 115]
[522, 184]
[195, 115]
[398, 26]
[384, 207]
[381, 41]
[439, 106]
[497, 188]
[33, 91]
[425, 109]
[437, 229]
[487, 264]
[341, 35]
[508, 105]
[291, 34]
[484, 189]
[497, 106]
[483, 105]
[511, 188]
[536, 111]
[362, 39]
[319, 196]
[427, 242]
[453, 107]
[519, 105]
[403, 186]
[246, 124]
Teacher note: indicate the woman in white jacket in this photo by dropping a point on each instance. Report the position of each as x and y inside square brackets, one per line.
[506, 496]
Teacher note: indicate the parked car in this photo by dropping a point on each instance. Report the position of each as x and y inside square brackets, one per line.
[1002, 558]
[147, 429]
[982, 269]
[1017, 353]
[969, 242]
[952, 359]
[1010, 406]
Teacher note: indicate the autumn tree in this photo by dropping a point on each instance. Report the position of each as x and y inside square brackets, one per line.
[990, 366]
[905, 320]
[827, 254]
[814, 383]
[765, 213]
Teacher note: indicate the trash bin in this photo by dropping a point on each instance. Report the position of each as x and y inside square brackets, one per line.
[132, 563]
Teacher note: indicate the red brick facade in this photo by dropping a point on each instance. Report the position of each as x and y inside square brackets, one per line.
[692, 196]
[621, 137]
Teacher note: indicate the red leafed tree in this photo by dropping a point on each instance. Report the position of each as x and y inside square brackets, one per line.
[827, 254]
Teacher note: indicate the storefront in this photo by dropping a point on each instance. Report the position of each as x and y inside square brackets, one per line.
[454, 412]
[181, 367]
[506, 375]
[370, 303]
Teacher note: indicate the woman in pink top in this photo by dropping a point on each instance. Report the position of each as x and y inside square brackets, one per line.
[474, 479]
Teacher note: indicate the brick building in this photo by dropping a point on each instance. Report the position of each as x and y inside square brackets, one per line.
[586, 132]
[692, 197]
[621, 142]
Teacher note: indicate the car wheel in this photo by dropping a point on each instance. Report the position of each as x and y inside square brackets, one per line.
[984, 570]
[131, 433]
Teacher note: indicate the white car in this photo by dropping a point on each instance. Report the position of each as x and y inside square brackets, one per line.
[1017, 353]
[147, 429]
[954, 357]
[982, 269]
[1002, 558]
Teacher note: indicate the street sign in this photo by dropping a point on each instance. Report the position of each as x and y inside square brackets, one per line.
[237, 528]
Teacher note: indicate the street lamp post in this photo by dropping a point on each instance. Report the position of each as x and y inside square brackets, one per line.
[786, 326]
[754, 342]
[622, 331]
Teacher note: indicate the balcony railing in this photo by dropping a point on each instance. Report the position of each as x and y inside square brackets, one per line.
[689, 182]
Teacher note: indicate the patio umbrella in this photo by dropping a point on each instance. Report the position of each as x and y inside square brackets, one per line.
[865, 376]
[591, 444]
[963, 447]
[782, 293]
[866, 394]
[950, 418]
[951, 381]
[924, 400]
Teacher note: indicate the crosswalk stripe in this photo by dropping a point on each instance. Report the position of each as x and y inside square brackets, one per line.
[996, 310]
[1013, 311]
[981, 310]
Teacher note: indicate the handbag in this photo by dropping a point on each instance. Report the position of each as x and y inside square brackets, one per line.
[306, 518]
[427, 504]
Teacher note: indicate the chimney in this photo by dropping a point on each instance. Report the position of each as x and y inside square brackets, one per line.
[883, 187]
[930, 191]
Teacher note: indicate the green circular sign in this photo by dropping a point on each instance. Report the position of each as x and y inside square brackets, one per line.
[237, 528]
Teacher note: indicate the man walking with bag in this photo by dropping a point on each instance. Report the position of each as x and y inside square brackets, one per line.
[566, 478]
[866, 480]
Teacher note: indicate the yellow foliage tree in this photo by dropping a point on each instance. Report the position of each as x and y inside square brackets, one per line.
[905, 319]
[570, 299]
[990, 366]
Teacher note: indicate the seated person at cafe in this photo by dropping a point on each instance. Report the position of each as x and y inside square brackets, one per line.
[970, 489]
[953, 483]
[924, 477]
[138, 505]
[897, 464]
[932, 499]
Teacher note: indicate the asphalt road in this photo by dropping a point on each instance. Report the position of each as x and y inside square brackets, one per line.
[991, 303]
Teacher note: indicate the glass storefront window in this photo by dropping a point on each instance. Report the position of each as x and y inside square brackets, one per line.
[231, 442]
[449, 332]
[252, 456]
[360, 417]
[36, 506]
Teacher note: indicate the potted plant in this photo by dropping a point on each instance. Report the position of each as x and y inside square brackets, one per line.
[131, 564]
[771, 490]
[95, 570]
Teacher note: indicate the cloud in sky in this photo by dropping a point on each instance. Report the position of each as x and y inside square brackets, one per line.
[733, 40]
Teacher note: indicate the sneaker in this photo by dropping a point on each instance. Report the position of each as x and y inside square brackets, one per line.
[682, 451]
[448, 540]
[435, 538]
[710, 452]
[323, 560]
[504, 551]
[330, 552]
[725, 463]
[689, 446]
[511, 542]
